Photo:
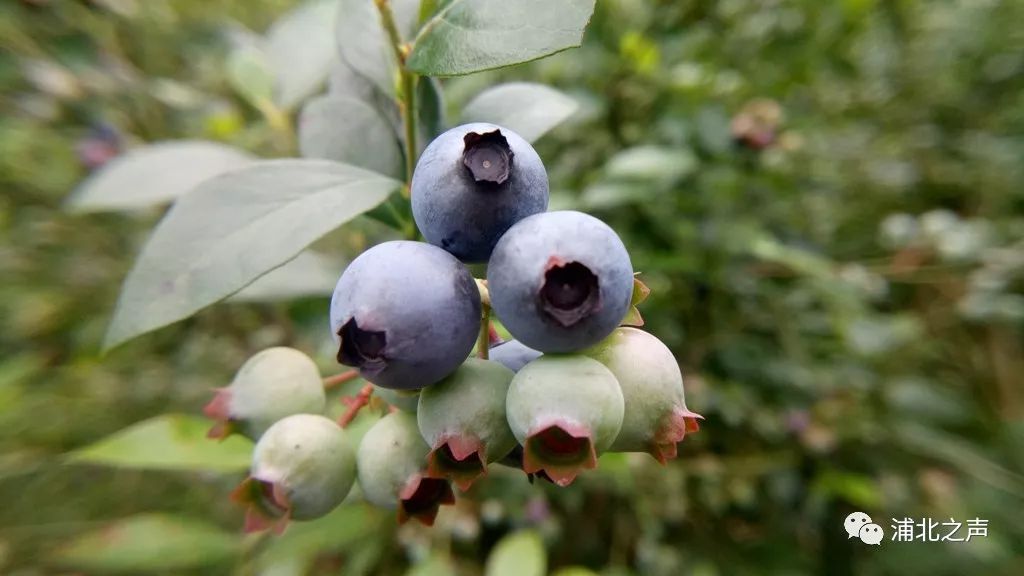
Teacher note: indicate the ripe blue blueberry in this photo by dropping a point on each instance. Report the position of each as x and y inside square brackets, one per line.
[471, 184]
[560, 281]
[513, 354]
[302, 468]
[406, 314]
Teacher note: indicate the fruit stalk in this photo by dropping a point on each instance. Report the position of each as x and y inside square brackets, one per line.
[355, 404]
[483, 342]
[338, 379]
[408, 88]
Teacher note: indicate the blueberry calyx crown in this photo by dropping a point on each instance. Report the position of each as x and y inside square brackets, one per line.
[569, 294]
[488, 157]
[360, 347]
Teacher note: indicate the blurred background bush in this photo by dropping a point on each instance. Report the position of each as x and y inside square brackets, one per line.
[827, 199]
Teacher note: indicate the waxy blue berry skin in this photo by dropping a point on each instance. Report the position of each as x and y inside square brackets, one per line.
[560, 281]
[471, 184]
[513, 354]
[406, 314]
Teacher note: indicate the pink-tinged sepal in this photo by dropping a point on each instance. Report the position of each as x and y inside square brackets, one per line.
[222, 430]
[219, 410]
[677, 424]
[461, 459]
[560, 451]
[422, 497]
[463, 421]
[266, 505]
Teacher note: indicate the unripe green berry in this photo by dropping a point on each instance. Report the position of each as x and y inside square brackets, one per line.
[302, 468]
[391, 460]
[564, 410]
[652, 385]
[462, 419]
[406, 400]
[273, 384]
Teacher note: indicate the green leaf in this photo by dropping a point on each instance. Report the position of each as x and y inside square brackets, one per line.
[531, 110]
[364, 44]
[128, 182]
[633, 317]
[149, 543]
[430, 7]
[713, 131]
[167, 442]
[574, 571]
[473, 35]
[652, 163]
[308, 274]
[343, 80]
[347, 83]
[300, 51]
[519, 554]
[959, 453]
[233, 229]
[343, 529]
[435, 565]
[857, 489]
[429, 109]
[250, 74]
[640, 292]
[351, 131]
[603, 195]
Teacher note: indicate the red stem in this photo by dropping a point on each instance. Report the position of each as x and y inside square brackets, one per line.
[355, 404]
[339, 379]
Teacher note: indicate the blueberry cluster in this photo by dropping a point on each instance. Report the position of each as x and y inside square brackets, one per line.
[574, 382]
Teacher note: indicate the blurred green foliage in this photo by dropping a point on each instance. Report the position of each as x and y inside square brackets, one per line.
[826, 198]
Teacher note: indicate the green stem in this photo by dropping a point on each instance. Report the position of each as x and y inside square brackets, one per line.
[281, 123]
[408, 88]
[483, 342]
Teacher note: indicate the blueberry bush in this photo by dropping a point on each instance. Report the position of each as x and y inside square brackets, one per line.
[446, 264]
[407, 315]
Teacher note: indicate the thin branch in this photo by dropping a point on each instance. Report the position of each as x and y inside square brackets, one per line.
[355, 404]
[408, 88]
[338, 379]
[483, 342]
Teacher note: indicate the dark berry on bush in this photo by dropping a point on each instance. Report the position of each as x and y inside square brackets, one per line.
[406, 314]
[513, 354]
[560, 281]
[471, 184]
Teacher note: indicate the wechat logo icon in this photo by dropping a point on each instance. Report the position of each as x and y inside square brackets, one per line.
[859, 525]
